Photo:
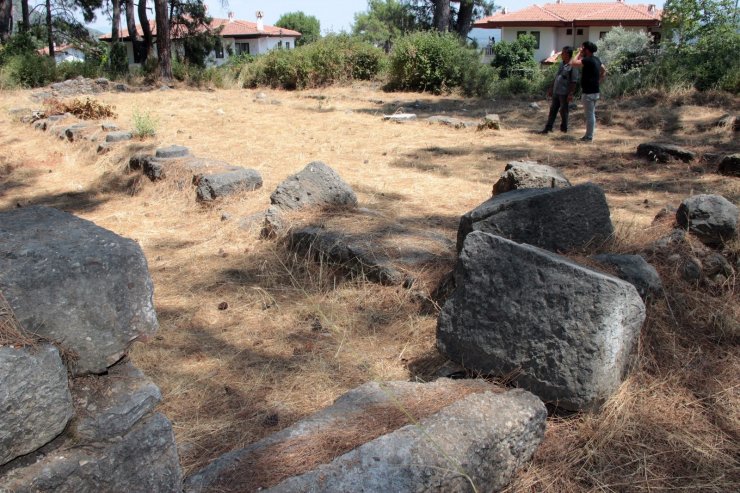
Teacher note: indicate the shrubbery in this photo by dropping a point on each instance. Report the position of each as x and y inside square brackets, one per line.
[326, 61]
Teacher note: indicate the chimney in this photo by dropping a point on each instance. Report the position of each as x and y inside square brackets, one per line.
[260, 23]
[651, 8]
[559, 1]
[504, 11]
[231, 16]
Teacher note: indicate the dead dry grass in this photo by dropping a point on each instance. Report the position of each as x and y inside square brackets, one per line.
[297, 335]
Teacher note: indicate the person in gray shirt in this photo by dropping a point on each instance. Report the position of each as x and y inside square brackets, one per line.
[562, 91]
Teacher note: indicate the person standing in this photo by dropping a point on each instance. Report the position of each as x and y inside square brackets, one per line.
[592, 74]
[562, 91]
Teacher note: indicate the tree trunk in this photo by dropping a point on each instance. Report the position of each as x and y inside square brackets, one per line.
[116, 21]
[26, 19]
[147, 30]
[6, 19]
[132, 32]
[163, 39]
[442, 15]
[465, 18]
[49, 29]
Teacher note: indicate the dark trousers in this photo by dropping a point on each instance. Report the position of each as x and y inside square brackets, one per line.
[558, 103]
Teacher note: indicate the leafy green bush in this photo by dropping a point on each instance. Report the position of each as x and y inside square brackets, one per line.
[144, 124]
[71, 70]
[430, 61]
[329, 60]
[117, 60]
[30, 70]
[516, 58]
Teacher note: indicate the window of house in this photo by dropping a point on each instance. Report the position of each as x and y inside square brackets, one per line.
[219, 49]
[287, 45]
[280, 44]
[579, 32]
[569, 32]
[242, 48]
[602, 34]
[536, 35]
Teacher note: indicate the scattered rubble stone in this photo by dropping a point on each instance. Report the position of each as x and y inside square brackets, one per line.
[118, 137]
[635, 270]
[400, 117]
[450, 121]
[529, 174]
[730, 165]
[316, 185]
[213, 186]
[662, 153]
[712, 218]
[491, 121]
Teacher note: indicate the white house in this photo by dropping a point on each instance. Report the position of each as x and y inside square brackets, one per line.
[555, 25]
[64, 53]
[237, 37]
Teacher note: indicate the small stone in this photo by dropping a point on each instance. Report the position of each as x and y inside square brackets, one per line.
[662, 153]
[400, 117]
[730, 165]
[691, 270]
[118, 137]
[173, 151]
[712, 218]
[223, 306]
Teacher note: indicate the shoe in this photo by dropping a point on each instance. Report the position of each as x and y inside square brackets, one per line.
[564, 130]
[587, 139]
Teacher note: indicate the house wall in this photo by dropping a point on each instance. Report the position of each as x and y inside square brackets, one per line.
[69, 55]
[553, 39]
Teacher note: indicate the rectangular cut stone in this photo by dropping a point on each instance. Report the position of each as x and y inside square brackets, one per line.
[554, 219]
[564, 330]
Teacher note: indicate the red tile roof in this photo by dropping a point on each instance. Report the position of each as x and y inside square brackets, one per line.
[229, 28]
[57, 49]
[565, 14]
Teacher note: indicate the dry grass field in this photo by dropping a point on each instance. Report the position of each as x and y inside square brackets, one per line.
[296, 335]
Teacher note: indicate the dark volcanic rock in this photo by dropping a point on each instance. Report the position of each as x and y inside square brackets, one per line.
[529, 174]
[316, 185]
[712, 218]
[553, 219]
[662, 153]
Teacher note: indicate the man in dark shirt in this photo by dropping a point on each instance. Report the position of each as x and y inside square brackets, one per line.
[562, 91]
[592, 73]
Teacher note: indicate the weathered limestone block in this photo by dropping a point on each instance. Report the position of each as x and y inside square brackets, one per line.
[529, 174]
[316, 185]
[553, 219]
[213, 186]
[482, 439]
[490, 432]
[109, 406]
[143, 460]
[35, 403]
[565, 331]
[75, 283]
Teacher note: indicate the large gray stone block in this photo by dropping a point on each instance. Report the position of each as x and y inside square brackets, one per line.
[109, 406]
[75, 283]
[216, 185]
[529, 174]
[233, 471]
[35, 403]
[475, 444]
[553, 219]
[712, 218]
[565, 331]
[316, 185]
[143, 460]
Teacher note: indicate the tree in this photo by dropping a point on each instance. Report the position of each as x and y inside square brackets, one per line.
[385, 21]
[6, 19]
[132, 32]
[191, 23]
[115, 21]
[147, 30]
[516, 58]
[164, 52]
[688, 20]
[308, 25]
[442, 15]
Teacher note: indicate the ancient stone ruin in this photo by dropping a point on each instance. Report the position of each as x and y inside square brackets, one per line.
[76, 415]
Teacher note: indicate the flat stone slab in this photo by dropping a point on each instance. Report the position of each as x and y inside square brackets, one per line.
[529, 174]
[34, 398]
[109, 406]
[145, 460]
[730, 165]
[565, 332]
[118, 137]
[451, 122]
[213, 186]
[662, 153]
[554, 219]
[108, 127]
[172, 151]
[712, 218]
[77, 132]
[400, 117]
[389, 403]
[75, 283]
[316, 185]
